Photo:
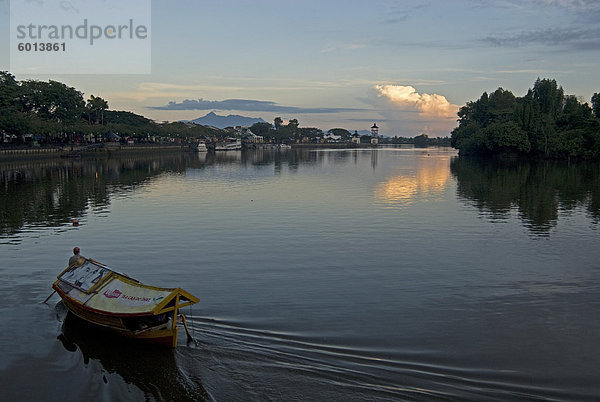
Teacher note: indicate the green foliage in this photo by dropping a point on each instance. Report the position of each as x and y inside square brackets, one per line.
[278, 122]
[96, 107]
[14, 122]
[310, 132]
[37, 107]
[342, 132]
[500, 106]
[128, 118]
[288, 132]
[9, 90]
[292, 128]
[506, 137]
[596, 104]
[543, 123]
[549, 96]
[263, 129]
[421, 140]
[53, 109]
[280, 133]
[52, 100]
[474, 143]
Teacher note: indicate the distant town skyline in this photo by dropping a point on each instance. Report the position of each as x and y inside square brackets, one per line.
[406, 65]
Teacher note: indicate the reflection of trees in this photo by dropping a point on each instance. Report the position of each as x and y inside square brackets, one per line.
[302, 156]
[52, 192]
[538, 189]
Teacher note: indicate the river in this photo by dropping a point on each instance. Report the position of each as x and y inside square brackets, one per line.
[363, 274]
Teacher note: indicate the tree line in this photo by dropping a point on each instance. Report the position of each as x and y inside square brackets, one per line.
[292, 132]
[543, 123]
[55, 112]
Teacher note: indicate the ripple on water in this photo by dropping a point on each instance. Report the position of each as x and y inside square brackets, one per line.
[311, 368]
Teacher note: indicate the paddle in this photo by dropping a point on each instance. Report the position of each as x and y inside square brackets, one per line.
[190, 338]
[48, 298]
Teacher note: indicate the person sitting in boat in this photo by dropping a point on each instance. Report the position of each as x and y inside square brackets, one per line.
[76, 258]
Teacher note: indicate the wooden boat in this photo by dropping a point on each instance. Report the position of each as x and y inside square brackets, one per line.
[95, 293]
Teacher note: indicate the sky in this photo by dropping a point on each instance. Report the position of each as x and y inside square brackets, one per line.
[407, 65]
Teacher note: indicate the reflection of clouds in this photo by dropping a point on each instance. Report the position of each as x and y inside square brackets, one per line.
[429, 180]
[397, 189]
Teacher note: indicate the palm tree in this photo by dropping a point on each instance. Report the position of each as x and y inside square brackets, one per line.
[97, 105]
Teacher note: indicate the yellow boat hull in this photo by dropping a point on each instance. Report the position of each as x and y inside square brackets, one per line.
[163, 336]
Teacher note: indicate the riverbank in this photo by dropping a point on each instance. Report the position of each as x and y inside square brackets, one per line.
[334, 145]
[109, 148]
[97, 149]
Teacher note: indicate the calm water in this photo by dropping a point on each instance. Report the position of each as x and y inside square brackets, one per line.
[323, 275]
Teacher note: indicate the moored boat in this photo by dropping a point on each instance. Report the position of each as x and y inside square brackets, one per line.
[229, 144]
[201, 147]
[114, 301]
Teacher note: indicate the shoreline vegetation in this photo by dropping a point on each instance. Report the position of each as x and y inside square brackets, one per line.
[40, 118]
[51, 115]
[545, 123]
[107, 149]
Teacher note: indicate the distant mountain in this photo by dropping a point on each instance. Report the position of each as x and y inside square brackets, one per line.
[232, 120]
[364, 132]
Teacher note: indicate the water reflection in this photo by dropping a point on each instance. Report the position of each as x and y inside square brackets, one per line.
[286, 309]
[154, 371]
[50, 193]
[540, 191]
[428, 180]
[53, 192]
[374, 154]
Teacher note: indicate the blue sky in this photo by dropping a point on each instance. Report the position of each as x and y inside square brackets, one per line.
[407, 65]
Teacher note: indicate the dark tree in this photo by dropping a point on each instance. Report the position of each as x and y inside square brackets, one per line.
[596, 104]
[264, 129]
[543, 123]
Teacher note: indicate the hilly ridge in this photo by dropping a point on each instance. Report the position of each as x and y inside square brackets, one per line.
[232, 120]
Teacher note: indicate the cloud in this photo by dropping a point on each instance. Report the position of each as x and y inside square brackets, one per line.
[248, 105]
[573, 25]
[407, 112]
[400, 12]
[573, 4]
[407, 98]
[570, 38]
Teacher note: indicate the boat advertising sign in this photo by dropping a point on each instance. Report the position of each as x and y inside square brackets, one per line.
[123, 297]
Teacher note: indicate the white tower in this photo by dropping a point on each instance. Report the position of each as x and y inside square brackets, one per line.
[374, 134]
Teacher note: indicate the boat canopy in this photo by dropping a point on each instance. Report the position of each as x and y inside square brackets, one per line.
[104, 290]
